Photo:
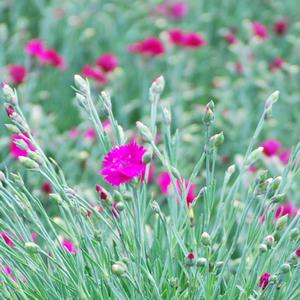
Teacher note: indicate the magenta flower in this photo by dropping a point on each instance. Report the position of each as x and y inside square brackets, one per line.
[281, 27]
[276, 64]
[260, 30]
[230, 37]
[108, 62]
[193, 40]
[284, 156]
[150, 46]
[46, 187]
[271, 147]
[264, 280]
[123, 163]
[90, 134]
[17, 74]
[9, 111]
[286, 209]
[35, 47]
[94, 73]
[164, 181]
[52, 57]
[297, 252]
[33, 236]
[178, 10]
[8, 241]
[15, 151]
[74, 133]
[68, 245]
[7, 270]
[176, 36]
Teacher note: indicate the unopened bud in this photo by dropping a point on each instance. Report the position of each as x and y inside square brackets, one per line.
[167, 116]
[117, 196]
[263, 248]
[36, 157]
[155, 207]
[208, 116]
[280, 198]
[285, 268]
[269, 240]
[28, 162]
[190, 259]
[281, 222]
[106, 100]
[295, 234]
[120, 206]
[144, 131]
[271, 100]
[32, 247]
[217, 139]
[201, 262]
[254, 155]
[13, 128]
[103, 194]
[157, 87]
[231, 169]
[56, 197]
[9, 94]
[119, 268]
[205, 239]
[128, 196]
[273, 279]
[276, 182]
[80, 83]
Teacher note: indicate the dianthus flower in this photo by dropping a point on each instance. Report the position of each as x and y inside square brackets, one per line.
[276, 64]
[17, 74]
[287, 208]
[281, 27]
[123, 163]
[68, 245]
[8, 241]
[15, 150]
[297, 252]
[264, 280]
[284, 156]
[52, 57]
[108, 62]
[230, 37]
[35, 47]
[186, 39]
[177, 10]
[271, 147]
[260, 30]
[90, 134]
[93, 73]
[150, 46]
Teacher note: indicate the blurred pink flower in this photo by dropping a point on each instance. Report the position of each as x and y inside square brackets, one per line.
[186, 39]
[90, 134]
[178, 10]
[287, 208]
[35, 47]
[271, 147]
[260, 30]
[94, 73]
[176, 36]
[281, 27]
[264, 280]
[17, 73]
[15, 151]
[150, 46]
[253, 168]
[297, 252]
[164, 180]
[9, 111]
[46, 187]
[7, 270]
[284, 156]
[8, 241]
[108, 62]
[74, 133]
[230, 37]
[123, 163]
[276, 64]
[33, 236]
[68, 245]
[52, 57]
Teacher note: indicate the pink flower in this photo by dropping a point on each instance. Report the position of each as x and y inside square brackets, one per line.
[94, 73]
[178, 10]
[123, 163]
[17, 73]
[260, 30]
[286, 209]
[276, 64]
[33, 236]
[284, 156]
[7, 239]
[150, 46]
[9, 111]
[230, 37]
[108, 62]
[35, 47]
[164, 182]
[253, 168]
[281, 27]
[74, 133]
[68, 245]
[52, 57]
[176, 36]
[297, 252]
[90, 134]
[46, 187]
[15, 151]
[193, 40]
[271, 147]
[264, 280]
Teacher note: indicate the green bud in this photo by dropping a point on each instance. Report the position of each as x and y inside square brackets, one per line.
[157, 87]
[231, 170]
[147, 157]
[294, 234]
[56, 197]
[144, 131]
[119, 268]
[281, 222]
[205, 239]
[217, 139]
[13, 128]
[273, 279]
[276, 182]
[167, 116]
[32, 247]
[280, 198]
[263, 248]
[28, 162]
[36, 157]
[128, 196]
[9, 94]
[120, 206]
[201, 262]
[271, 100]
[208, 116]
[254, 155]
[155, 206]
[293, 259]
[285, 268]
[269, 240]
[117, 196]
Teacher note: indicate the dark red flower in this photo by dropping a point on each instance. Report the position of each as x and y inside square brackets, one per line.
[276, 64]
[151, 46]
[264, 280]
[230, 37]
[281, 27]
[297, 252]
[17, 74]
[176, 36]
[46, 187]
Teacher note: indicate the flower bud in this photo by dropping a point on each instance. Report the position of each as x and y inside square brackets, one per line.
[2, 177]
[285, 268]
[276, 182]
[157, 87]
[9, 94]
[281, 222]
[279, 198]
[106, 100]
[271, 100]
[119, 268]
[155, 207]
[36, 157]
[144, 131]
[32, 247]
[167, 116]
[293, 259]
[269, 240]
[56, 197]
[273, 279]
[13, 128]
[80, 83]
[117, 196]
[147, 157]
[294, 234]
[120, 206]
[205, 239]
[28, 162]
[263, 248]
[208, 116]
[201, 262]
[190, 259]
[254, 155]
[103, 194]
[231, 169]
[217, 139]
